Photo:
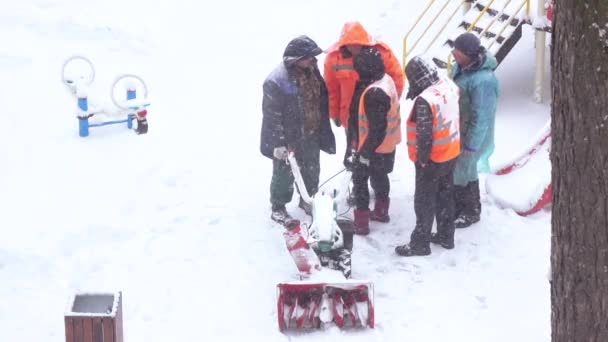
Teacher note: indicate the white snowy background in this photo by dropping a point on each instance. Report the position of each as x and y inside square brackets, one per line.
[178, 219]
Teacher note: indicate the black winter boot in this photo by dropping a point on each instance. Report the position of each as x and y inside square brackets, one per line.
[408, 250]
[465, 221]
[280, 214]
[471, 206]
[460, 197]
[442, 241]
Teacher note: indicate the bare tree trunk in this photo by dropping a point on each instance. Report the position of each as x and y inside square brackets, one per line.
[579, 157]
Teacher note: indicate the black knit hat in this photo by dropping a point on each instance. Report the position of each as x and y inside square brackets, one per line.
[300, 47]
[420, 75]
[469, 44]
[369, 65]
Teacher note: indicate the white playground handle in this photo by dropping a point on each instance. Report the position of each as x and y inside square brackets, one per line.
[75, 57]
[121, 77]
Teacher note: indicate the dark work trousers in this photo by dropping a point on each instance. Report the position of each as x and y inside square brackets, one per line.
[378, 178]
[433, 198]
[467, 200]
[281, 185]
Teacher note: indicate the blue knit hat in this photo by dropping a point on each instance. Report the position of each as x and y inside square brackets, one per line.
[469, 44]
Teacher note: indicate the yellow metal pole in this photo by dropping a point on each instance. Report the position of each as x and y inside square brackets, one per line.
[412, 28]
[528, 8]
[539, 72]
[444, 25]
[506, 24]
[420, 17]
[404, 56]
[485, 9]
[429, 26]
[449, 64]
[494, 19]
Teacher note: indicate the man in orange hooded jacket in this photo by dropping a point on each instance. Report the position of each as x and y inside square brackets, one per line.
[340, 75]
[341, 78]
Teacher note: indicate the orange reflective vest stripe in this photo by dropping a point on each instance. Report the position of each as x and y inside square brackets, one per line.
[393, 125]
[443, 99]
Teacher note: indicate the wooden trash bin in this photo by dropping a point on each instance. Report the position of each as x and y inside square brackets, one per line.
[94, 317]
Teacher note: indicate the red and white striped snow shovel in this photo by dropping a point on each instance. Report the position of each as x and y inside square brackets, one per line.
[322, 254]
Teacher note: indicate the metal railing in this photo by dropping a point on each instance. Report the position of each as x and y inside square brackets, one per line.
[508, 21]
[500, 14]
[407, 52]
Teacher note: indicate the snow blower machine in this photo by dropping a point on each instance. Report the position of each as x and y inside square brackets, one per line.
[321, 250]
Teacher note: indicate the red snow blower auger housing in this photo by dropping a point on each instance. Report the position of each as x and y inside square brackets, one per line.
[321, 251]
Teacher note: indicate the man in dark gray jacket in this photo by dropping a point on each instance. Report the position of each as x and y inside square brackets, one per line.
[433, 139]
[295, 118]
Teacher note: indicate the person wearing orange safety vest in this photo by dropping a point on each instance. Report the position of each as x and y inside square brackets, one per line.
[341, 77]
[433, 143]
[373, 132]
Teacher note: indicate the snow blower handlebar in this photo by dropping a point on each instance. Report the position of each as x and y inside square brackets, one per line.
[324, 233]
[295, 169]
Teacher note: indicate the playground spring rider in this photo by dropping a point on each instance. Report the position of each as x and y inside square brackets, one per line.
[130, 109]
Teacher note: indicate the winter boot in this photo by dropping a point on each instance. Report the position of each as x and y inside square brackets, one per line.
[408, 250]
[305, 206]
[471, 206]
[361, 225]
[380, 212]
[442, 241]
[464, 220]
[459, 200]
[280, 214]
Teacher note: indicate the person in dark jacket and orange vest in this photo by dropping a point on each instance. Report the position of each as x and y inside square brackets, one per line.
[433, 141]
[295, 118]
[373, 132]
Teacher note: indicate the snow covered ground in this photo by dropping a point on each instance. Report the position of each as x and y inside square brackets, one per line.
[179, 219]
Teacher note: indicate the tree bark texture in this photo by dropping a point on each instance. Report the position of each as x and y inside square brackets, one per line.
[579, 157]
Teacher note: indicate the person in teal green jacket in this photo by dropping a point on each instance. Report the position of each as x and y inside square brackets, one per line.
[473, 72]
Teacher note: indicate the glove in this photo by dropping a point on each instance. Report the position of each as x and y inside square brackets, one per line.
[142, 126]
[360, 163]
[337, 122]
[468, 151]
[280, 153]
[363, 161]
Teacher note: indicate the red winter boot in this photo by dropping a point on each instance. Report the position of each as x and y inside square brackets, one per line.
[380, 212]
[361, 221]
